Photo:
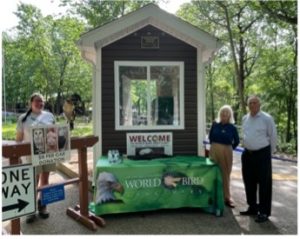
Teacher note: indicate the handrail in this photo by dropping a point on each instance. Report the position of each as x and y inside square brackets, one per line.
[241, 150]
[19, 149]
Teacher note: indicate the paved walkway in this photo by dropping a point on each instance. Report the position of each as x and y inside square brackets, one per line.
[183, 221]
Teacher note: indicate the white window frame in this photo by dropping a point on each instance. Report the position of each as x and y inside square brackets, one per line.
[148, 64]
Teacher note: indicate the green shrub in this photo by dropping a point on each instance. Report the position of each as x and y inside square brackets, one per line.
[81, 128]
[8, 131]
[288, 148]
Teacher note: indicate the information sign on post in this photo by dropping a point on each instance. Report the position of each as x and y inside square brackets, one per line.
[52, 194]
[50, 144]
[18, 191]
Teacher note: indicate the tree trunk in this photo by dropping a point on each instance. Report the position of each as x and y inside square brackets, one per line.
[288, 135]
[294, 95]
[211, 93]
[59, 100]
[241, 76]
[237, 68]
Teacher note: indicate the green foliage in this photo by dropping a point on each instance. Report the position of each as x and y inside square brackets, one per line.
[259, 55]
[82, 129]
[264, 40]
[139, 95]
[43, 57]
[97, 13]
[9, 131]
[288, 148]
[280, 11]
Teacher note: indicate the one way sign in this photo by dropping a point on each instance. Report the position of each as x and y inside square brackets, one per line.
[18, 191]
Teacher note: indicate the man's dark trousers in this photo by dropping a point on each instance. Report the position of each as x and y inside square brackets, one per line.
[257, 172]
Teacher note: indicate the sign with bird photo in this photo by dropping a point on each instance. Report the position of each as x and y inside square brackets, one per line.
[156, 144]
[154, 184]
[50, 144]
[18, 191]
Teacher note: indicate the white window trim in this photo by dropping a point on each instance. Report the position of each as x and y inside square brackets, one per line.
[148, 64]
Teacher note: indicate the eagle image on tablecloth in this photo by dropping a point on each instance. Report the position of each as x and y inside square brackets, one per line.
[107, 184]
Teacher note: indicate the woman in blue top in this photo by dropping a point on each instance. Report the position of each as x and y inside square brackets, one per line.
[223, 137]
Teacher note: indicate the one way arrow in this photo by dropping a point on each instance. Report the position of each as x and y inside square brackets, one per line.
[20, 205]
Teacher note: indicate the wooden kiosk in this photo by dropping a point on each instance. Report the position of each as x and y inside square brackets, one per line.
[145, 39]
[148, 82]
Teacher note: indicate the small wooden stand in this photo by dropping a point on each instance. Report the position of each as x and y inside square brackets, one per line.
[80, 212]
[13, 151]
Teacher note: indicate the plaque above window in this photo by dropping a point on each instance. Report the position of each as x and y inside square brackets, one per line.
[150, 42]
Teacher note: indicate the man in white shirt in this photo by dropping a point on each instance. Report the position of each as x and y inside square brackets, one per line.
[259, 140]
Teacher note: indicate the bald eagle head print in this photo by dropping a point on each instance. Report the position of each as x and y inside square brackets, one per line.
[107, 185]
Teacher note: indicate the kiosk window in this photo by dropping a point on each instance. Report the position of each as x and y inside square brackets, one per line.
[149, 95]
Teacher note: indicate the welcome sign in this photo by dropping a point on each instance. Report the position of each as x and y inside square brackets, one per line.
[155, 143]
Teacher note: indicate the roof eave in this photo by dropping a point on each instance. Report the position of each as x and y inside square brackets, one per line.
[148, 15]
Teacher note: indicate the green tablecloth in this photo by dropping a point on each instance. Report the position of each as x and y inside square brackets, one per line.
[180, 181]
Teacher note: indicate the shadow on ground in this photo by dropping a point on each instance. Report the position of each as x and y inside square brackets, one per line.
[184, 221]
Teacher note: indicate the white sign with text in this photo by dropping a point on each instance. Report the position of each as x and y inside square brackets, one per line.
[50, 144]
[155, 143]
[18, 191]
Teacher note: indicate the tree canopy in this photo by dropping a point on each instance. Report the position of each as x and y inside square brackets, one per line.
[259, 55]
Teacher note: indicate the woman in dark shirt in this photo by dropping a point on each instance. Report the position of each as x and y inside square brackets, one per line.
[223, 137]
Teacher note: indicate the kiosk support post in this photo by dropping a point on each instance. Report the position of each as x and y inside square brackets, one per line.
[83, 180]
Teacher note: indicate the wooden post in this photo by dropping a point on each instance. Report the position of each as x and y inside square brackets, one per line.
[13, 151]
[83, 185]
[80, 212]
[15, 223]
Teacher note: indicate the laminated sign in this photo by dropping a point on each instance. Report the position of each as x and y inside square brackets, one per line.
[50, 144]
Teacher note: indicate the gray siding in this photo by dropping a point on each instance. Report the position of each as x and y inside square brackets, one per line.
[128, 49]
